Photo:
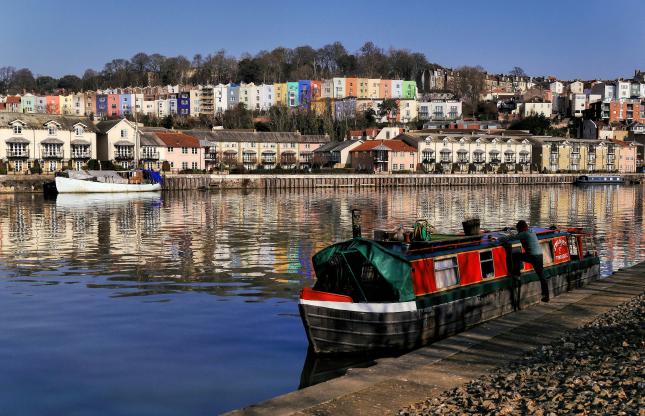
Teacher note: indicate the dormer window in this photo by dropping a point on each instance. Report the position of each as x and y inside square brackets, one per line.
[124, 133]
[17, 129]
[79, 131]
[51, 130]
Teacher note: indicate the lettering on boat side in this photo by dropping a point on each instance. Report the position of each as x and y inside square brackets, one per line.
[560, 249]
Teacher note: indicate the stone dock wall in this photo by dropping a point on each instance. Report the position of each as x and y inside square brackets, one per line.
[185, 182]
[175, 182]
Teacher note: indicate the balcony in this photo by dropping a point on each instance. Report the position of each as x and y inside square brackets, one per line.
[150, 155]
[81, 154]
[250, 160]
[210, 157]
[495, 161]
[17, 153]
[124, 156]
[52, 153]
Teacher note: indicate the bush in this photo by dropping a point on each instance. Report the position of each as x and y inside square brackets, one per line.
[36, 169]
[3, 168]
[93, 164]
[165, 166]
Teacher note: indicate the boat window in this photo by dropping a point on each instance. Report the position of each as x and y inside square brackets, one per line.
[446, 272]
[547, 251]
[573, 246]
[486, 259]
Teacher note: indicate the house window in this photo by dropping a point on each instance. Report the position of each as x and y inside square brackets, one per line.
[194, 150]
[446, 272]
[79, 131]
[51, 130]
[184, 165]
[17, 129]
[171, 149]
[184, 150]
[124, 133]
[194, 165]
[488, 268]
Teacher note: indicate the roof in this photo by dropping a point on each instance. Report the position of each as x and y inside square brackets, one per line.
[150, 139]
[256, 136]
[38, 121]
[393, 145]
[13, 99]
[177, 139]
[107, 125]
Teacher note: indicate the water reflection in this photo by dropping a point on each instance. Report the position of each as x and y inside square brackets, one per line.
[97, 260]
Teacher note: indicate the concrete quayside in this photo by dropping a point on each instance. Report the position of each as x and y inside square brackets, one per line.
[396, 383]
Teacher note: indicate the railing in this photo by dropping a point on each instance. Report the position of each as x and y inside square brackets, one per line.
[52, 154]
[252, 160]
[211, 157]
[496, 161]
[17, 153]
[81, 154]
[123, 156]
[150, 155]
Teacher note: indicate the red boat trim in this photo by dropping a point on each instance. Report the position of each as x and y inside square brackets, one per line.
[310, 294]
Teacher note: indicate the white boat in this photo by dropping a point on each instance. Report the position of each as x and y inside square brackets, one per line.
[68, 186]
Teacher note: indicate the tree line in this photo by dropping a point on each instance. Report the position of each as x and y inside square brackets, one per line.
[278, 65]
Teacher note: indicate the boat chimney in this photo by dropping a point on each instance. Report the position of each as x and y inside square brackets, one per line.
[356, 223]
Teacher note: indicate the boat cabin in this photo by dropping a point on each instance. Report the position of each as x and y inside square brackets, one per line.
[361, 270]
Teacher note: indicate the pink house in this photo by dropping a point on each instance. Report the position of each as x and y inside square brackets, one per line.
[52, 104]
[384, 156]
[113, 109]
[306, 152]
[183, 152]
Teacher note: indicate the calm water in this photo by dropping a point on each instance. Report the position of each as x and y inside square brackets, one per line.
[180, 304]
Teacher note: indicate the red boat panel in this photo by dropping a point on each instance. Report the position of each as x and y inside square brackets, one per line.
[470, 270]
[560, 250]
[423, 276]
[499, 262]
[310, 294]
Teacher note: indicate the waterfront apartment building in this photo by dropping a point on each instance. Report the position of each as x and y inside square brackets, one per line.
[257, 150]
[54, 142]
[116, 142]
[558, 154]
[464, 153]
[384, 156]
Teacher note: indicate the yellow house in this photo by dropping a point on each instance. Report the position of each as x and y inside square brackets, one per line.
[280, 93]
[66, 104]
[363, 88]
[374, 88]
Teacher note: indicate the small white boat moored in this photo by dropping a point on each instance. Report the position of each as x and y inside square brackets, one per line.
[107, 182]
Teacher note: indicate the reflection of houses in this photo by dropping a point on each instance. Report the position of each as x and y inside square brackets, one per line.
[54, 141]
[461, 153]
[253, 150]
[384, 156]
[335, 154]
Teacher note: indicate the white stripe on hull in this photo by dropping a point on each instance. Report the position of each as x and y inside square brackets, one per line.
[364, 307]
[66, 186]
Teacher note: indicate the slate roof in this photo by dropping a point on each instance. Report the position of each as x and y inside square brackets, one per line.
[106, 125]
[37, 121]
[258, 137]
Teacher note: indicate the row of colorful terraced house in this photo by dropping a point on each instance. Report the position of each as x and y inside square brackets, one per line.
[343, 97]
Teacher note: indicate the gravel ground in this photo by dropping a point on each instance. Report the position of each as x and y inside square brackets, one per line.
[596, 369]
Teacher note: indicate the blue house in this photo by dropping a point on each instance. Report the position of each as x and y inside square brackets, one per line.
[183, 104]
[304, 93]
[125, 103]
[233, 95]
[101, 105]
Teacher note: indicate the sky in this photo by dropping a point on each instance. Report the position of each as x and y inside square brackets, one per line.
[569, 39]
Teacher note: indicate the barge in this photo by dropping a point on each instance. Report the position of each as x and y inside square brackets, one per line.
[599, 179]
[380, 294]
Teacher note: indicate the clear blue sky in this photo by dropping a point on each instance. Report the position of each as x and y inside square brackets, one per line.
[566, 38]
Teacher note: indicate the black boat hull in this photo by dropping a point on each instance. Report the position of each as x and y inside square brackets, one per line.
[334, 330]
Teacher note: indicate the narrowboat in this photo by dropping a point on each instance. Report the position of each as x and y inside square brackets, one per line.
[399, 292]
[599, 179]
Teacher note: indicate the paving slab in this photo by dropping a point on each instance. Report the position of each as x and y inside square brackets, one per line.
[394, 383]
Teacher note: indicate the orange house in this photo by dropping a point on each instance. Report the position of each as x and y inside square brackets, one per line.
[385, 89]
[52, 104]
[351, 87]
[316, 90]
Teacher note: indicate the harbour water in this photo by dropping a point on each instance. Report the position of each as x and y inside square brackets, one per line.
[186, 303]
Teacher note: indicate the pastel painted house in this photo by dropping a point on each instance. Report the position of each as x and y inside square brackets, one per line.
[382, 156]
[52, 105]
[292, 94]
[351, 87]
[101, 105]
[338, 88]
[28, 103]
[113, 104]
[183, 103]
[304, 93]
[182, 152]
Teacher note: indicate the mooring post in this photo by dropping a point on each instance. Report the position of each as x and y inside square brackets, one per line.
[356, 223]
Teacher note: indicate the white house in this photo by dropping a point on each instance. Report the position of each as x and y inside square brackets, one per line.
[556, 87]
[116, 142]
